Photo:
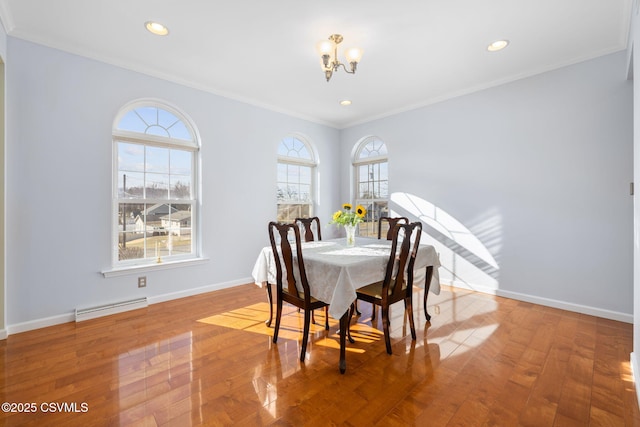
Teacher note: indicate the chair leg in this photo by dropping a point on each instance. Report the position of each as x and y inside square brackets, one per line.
[408, 305]
[305, 336]
[278, 316]
[374, 310]
[326, 318]
[351, 310]
[270, 298]
[427, 285]
[426, 313]
[385, 325]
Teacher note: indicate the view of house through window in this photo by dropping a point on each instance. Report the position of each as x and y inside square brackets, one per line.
[155, 154]
[295, 187]
[371, 183]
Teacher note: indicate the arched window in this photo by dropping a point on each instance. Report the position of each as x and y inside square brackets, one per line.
[155, 152]
[296, 183]
[371, 182]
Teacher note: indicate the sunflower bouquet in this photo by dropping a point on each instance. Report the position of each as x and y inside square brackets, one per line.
[348, 216]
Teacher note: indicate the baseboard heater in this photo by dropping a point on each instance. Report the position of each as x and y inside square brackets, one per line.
[105, 310]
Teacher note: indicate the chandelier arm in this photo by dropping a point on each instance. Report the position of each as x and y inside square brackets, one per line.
[353, 67]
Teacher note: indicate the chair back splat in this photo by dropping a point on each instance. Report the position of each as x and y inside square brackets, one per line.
[283, 253]
[397, 286]
[393, 221]
[307, 225]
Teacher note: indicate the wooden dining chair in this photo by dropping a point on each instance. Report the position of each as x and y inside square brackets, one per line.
[307, 225]
[393, 221]
[397, 284]
[288, 289]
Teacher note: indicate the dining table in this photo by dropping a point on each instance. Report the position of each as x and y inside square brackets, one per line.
[336, 270]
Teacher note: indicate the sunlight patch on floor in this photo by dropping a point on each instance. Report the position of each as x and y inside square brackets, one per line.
[626, 373]
[366, 334]
[252, 319]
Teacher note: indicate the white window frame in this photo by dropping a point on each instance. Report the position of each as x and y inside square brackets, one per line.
[310, 162]
[370, 226]
[193, 145]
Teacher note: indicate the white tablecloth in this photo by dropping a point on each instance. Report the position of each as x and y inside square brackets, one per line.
[335, 271]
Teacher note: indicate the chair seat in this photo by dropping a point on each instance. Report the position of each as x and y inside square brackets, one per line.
[301, 295]
[373, 290]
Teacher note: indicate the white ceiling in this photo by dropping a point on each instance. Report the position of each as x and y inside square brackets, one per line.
[416, 52]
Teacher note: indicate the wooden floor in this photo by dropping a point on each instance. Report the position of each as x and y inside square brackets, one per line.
[209, 360]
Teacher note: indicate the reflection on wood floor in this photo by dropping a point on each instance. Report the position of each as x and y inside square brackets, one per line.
[209, 360]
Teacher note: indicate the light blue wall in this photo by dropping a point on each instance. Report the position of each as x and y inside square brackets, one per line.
[634, 62]
[3, 56]
[527, 183]
[3, 42]
[61, 109]
[532, 175]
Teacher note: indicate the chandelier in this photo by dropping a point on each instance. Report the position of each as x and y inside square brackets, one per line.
[328, 50]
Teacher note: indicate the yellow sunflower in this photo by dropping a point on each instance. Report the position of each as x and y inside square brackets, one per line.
[347, 216]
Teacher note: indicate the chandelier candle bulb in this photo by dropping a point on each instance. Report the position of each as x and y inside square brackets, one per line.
[325, 47]
[353, 55]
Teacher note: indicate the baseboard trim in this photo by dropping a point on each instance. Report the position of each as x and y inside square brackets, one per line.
[548, 302]
[41, 323]
[70, 317]
[472, 287]
[635, 371]
[196, 291]
[577, 308]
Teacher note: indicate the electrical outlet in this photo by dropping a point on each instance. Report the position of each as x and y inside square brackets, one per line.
[142, 281]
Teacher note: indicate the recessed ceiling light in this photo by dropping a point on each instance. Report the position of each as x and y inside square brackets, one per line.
[497, 45]
[345, 102]
[156, 28]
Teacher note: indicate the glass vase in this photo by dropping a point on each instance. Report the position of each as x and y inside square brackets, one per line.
[351, 234]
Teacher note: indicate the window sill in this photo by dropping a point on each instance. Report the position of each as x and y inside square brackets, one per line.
[124, 271]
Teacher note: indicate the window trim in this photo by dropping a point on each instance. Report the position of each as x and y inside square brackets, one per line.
[143, 268]
[123, 267]
[128, 136]
[357, 162]
[311, 163]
